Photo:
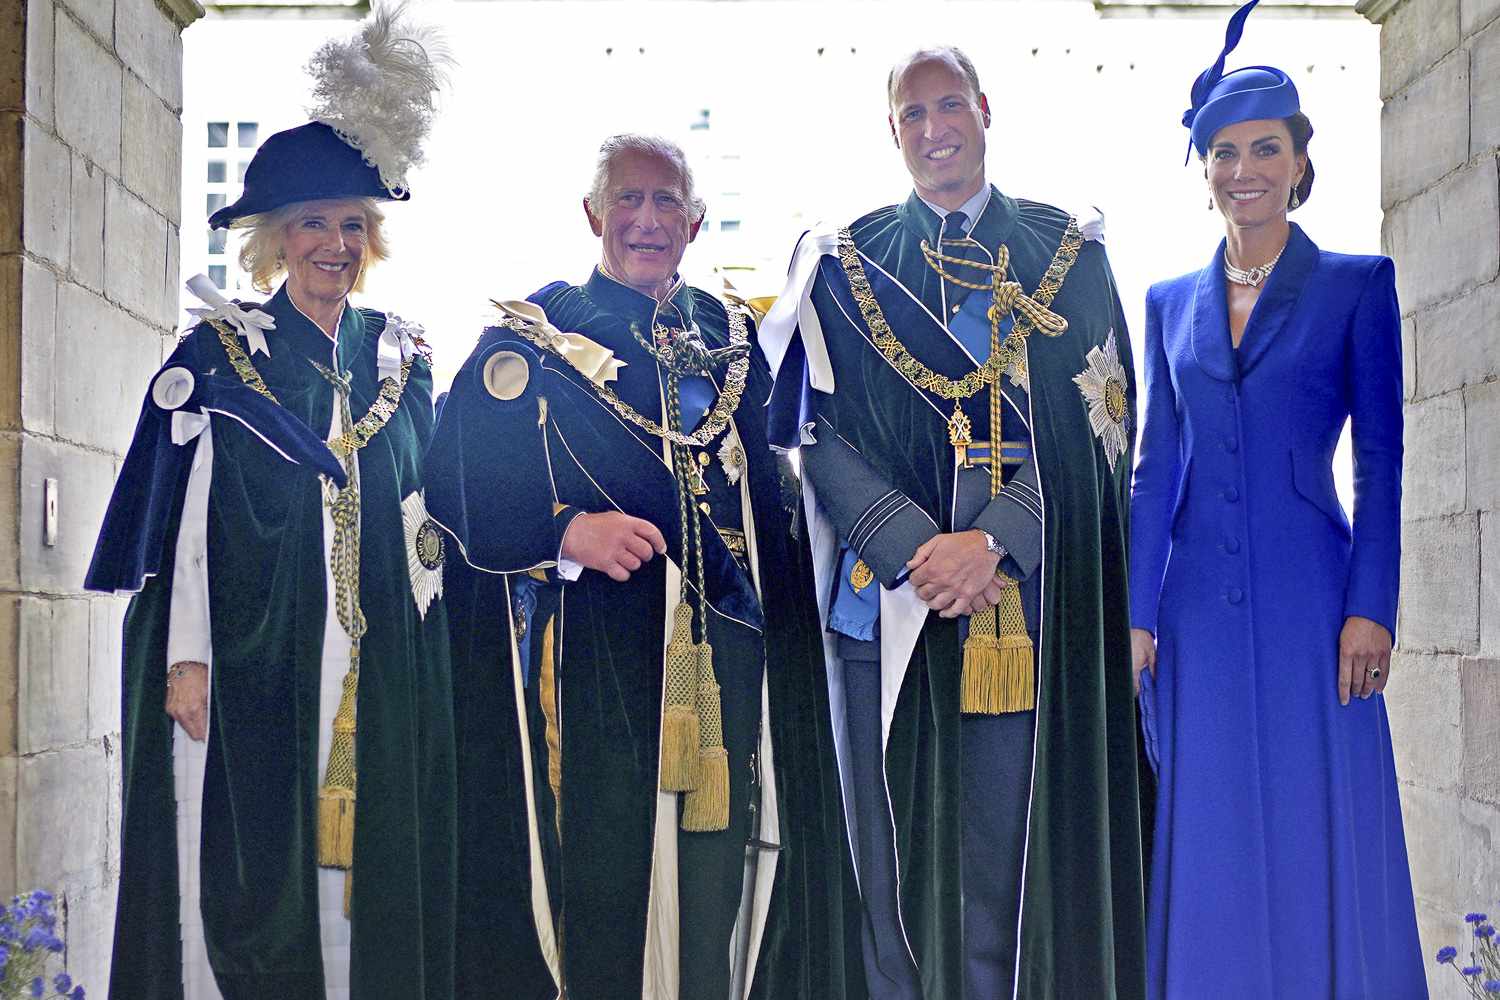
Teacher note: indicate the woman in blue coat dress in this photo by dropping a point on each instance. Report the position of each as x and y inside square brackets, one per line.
[1263, 621]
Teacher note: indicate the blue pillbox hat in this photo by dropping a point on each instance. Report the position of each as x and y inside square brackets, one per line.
[1248, 94]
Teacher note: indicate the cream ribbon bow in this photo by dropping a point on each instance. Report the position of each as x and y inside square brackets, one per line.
[395, 346]
[596, 362]
[251, 323]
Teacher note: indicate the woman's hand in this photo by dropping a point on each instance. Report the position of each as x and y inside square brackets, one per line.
[187, 697]
[1364, 658]
[1142, 654]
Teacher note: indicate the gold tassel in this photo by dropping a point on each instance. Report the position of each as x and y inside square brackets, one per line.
[679, 723]
[348, 890]
[998, 675]
[707, 805]
[335, 827]
[336, 796]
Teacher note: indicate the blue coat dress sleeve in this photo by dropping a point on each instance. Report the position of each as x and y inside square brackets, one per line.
[1158, 477]
[1375, 401]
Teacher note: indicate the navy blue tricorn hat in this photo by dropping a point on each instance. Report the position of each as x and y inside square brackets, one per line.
[1248, 94]
[306, 163]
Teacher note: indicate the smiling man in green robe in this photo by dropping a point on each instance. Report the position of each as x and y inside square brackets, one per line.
[955, 370]
[648, 805]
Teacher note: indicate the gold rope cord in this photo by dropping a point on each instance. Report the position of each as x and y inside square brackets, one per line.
[693, 759]
[1001, 356]
[336, 796]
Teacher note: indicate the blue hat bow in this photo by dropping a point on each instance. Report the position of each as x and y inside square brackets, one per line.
[1247, 94]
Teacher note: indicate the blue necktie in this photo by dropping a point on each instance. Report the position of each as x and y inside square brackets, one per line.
[954, 225]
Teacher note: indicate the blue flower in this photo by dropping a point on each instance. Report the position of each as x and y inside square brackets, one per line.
[1492, 986]
[1470, 970]
[62, 982]
[1446, 954]
[1484, 931]
[77, 993]
[1475, 918]
[37, 987]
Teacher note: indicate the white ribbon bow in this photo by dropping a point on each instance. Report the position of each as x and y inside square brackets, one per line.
[251, 323]
[597, 362]
[396, 346]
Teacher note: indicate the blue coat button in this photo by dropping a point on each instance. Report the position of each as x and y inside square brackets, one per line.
[1231, 545]
[1231, 445]
[1231, 494]
[1235, 595]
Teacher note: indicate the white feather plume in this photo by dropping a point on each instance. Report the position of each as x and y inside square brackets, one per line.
[378, 90]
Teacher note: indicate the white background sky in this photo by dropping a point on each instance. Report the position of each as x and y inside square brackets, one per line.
[1087, 112]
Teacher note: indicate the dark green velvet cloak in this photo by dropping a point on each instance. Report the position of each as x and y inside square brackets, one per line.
[494, 475]
[1082, 929]
[267, 601]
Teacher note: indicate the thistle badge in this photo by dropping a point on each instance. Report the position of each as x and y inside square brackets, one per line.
[424, 552]
[732, 458]
[1103, 386]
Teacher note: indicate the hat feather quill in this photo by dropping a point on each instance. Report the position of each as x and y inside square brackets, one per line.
[378, 90]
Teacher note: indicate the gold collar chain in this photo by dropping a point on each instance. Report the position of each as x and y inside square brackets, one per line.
[1001, 357]
[718, 417]
[379, 414]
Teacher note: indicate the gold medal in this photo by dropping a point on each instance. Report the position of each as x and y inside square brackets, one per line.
[860, 576]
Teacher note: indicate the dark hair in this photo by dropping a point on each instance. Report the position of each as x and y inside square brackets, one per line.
[1301, 130]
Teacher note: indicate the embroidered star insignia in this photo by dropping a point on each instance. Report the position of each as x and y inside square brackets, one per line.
[424, 552]
[1102, 384]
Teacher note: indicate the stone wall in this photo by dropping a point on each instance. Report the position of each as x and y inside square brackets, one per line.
[1440, 189]
[90, 153]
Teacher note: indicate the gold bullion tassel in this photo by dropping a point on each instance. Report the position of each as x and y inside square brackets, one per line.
[998, 674]
[707, 805]
[336, 796]
[679, 722]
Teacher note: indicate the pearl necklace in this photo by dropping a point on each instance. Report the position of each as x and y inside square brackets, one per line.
[1252, 276]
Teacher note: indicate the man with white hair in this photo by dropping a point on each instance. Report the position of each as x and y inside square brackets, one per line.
[639, 674]
[955, 370]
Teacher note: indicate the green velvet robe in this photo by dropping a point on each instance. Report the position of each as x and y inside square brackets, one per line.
[1082, 911]
[495, 473]
[267, 598]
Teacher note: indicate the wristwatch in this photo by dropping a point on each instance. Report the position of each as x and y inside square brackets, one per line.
[991, 544]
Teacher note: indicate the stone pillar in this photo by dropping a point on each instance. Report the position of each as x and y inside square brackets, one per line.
[90, 154]
[1440, 189]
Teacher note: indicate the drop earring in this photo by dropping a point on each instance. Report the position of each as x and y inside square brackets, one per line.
[1296, 199]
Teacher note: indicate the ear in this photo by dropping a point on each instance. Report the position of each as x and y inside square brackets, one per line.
[1301, 170]
[693, 229]
[595, 224]
[891, 121]
[984, 110]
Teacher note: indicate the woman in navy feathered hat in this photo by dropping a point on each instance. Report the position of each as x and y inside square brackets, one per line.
[1262, 622]
[288, 755]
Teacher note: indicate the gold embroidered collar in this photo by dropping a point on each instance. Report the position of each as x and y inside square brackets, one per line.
[379, 414]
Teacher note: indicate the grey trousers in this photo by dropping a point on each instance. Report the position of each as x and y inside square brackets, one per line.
[996, 761]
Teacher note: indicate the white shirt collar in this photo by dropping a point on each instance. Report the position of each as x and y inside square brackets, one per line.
[971, 208]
